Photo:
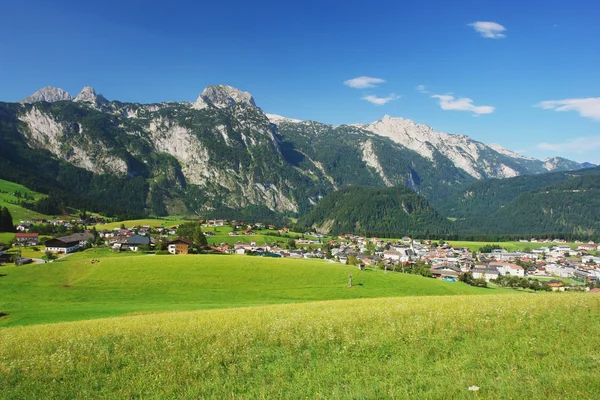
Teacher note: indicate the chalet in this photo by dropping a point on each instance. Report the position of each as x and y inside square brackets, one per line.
[27, 239]
[179, 246]
[234, 233]
[68, 244]
[135, 242]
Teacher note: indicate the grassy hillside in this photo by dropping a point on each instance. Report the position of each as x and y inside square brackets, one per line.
[75, 289]
[511, 347]
[7, 199]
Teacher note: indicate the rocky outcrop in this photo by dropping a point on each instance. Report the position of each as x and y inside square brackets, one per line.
[49, 94]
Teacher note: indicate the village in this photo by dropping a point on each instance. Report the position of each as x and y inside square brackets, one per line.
[559, 266]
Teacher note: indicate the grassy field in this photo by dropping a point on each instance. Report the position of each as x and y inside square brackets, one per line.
[75, 288]
[541, 346]
[510, 246]
[221, 235]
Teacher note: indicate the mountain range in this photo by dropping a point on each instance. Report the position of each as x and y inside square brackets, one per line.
[222, 154]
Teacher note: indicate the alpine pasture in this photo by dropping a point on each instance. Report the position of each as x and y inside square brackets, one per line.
[77, 288]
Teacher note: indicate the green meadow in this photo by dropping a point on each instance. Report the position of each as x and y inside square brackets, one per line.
[76, 288]
[527, 346]
[510, 246]
[151, 222]
[221, 235]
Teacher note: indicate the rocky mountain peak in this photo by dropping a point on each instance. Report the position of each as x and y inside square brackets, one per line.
[49, 94]
[222, 96]
[88, 95]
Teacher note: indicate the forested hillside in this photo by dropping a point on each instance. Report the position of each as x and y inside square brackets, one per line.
[485, 197]
[376, 211]
[570, 206]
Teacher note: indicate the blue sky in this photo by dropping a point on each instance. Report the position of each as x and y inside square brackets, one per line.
[500, 73]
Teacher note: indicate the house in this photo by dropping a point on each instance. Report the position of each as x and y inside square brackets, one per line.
[509, 269]
[486, 272]
[27, 239]
[216, 222]
[444, 272]
[68, 244]
[588, 247]
[556, 285]
[23, 227]
[135, 242]
[179, 246]
[392, 255]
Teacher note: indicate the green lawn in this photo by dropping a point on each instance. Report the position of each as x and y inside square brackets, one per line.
[75, 288]
[536, 346]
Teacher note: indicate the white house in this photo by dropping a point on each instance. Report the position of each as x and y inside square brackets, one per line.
[488, 273]
[509, 269]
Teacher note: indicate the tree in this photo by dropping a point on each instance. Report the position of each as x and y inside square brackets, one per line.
[6, 221]
[193, 231]
[198, 237]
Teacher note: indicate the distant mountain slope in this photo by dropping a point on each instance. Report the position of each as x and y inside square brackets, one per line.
[485, 197]
[477, 159]
[375, 211]
[570, 205]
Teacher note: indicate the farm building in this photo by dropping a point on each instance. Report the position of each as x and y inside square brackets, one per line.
[68, 244]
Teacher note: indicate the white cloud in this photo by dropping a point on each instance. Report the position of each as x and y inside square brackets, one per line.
[379, 101]
[448, 102]
[589, 107]
[488, 29]
[581, 144]
[363, 82]
[422, 89]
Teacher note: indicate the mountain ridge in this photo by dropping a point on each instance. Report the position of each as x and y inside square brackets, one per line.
[223, 153]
